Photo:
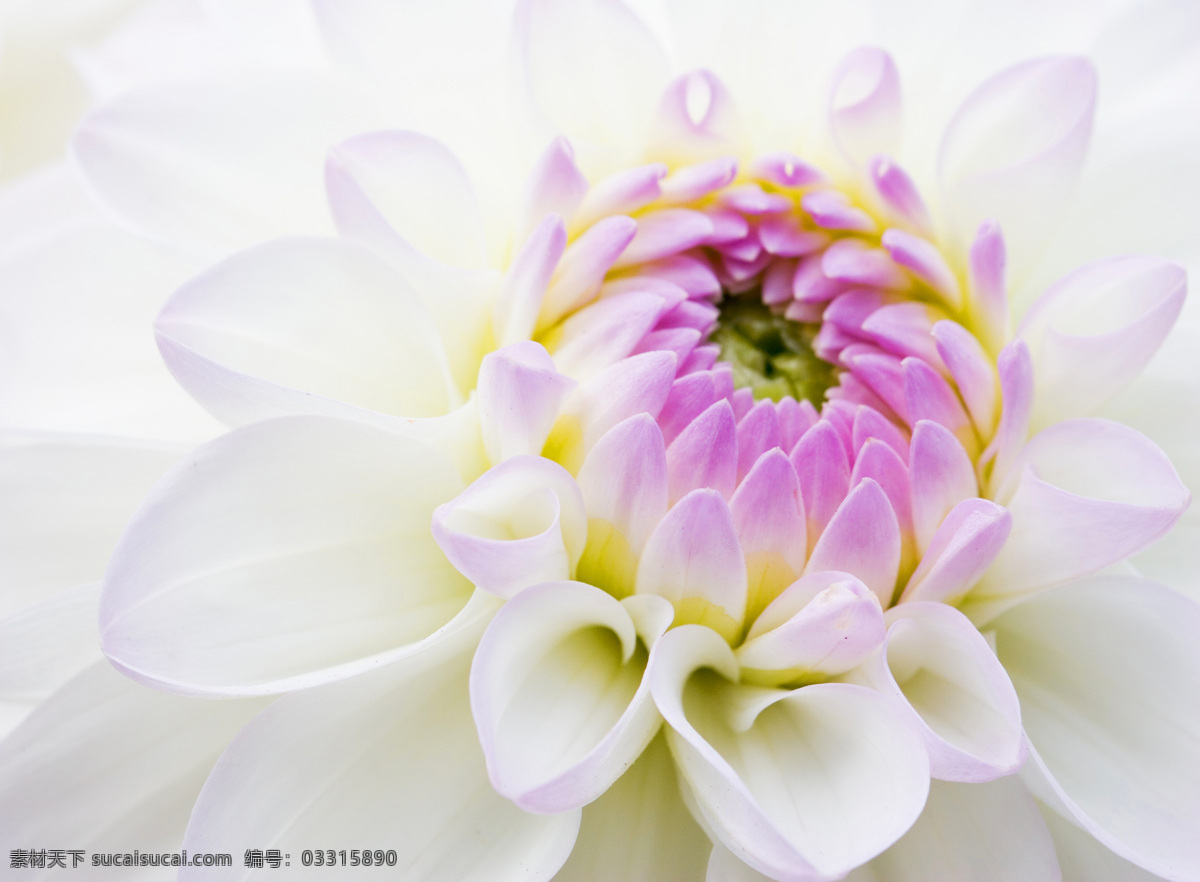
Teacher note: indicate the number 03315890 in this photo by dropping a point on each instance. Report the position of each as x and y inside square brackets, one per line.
[358, 857]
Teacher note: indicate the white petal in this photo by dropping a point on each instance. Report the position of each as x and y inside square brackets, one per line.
[829, 635]
[639, 829]
[558, 696]
[288, 552]
[523, 522]
[75, 303]
[1108, 671]
[1013, 151]
[43, 646]
[66, 499]
[1084, 859]
[796, 784]
[1164, 404]
[388, 757]
[971, 833]
[937, 663]
[864, 105]
[724, 866]
[219, 165]
[108, 765]
[1093, 332]
[418, 189]
[1091, 493]
[593, 70]
[354, 332]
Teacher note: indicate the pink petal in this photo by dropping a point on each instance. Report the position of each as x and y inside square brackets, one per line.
[929, 397]
[602, 334]
[900, 195]
[811, 284]
[705, 453]
[692, 274]
[863, 539]
[959, 552]
[694, 560]
[972, 371]
[678, 341]
[663, 233]
[942, 476]
[752, 199]
[624, 479]
[786, 170]
[879, 462]
[523, 288]
[519, 395]
[728, 227]
[556, 186]
[777, 282]
[742, 401]
[904, 329]
[697, 119]
[783, 236]
[690, 314]
[989, 291]
[831, 210]
[757, 432]
[638, 384]
[768, 512]
[693, 182]
[795, 418]
[622, 193]
[883, 375]
[823, 468]
[853, 262]
[869, 423]
[703, 358]
[690, 396]
[584, 264]
[1016, 391]
[925, 261]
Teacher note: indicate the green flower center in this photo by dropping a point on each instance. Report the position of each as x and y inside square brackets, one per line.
[770, 355]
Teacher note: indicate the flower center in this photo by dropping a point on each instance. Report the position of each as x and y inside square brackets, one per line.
[802, 354]
[770, 354]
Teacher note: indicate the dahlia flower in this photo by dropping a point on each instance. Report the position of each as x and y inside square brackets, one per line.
[676, 448]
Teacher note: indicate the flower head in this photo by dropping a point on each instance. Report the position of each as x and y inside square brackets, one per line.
[720, 482]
